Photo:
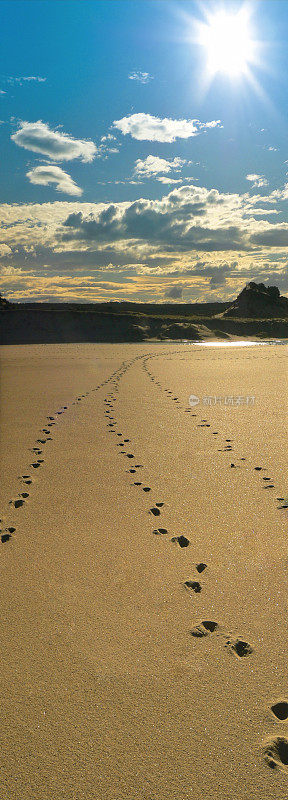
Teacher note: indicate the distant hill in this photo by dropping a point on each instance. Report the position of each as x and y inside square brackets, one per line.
[258, 301]
[257, 312]
[4, 303]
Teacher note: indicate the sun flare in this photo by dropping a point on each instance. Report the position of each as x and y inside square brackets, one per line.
[229, 46]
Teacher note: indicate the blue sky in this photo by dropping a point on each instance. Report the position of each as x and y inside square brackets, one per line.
[124, 163]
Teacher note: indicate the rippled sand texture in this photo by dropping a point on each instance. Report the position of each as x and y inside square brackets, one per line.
[144, 567]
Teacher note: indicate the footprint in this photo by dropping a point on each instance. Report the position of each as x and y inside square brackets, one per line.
[5, 537]
[17, 503]
[240, 648]
[137, 483]
[275, 751]
[280, 710]
[162, 531]
[205, 627]
[159, 505]
[181, 540]
[194, 585]
[201, 566]
[155, 511]
[146, 489]
[35, 465]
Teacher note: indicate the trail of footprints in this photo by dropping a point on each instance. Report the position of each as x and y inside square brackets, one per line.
[275, 748]
[237, 646]
[228, 445]
[28, 479]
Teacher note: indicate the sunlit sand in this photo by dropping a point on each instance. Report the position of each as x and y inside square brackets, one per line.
[144, 572]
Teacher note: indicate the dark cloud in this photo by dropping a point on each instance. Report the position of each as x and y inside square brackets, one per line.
[144, 220]
[175, 292]
[274, 237]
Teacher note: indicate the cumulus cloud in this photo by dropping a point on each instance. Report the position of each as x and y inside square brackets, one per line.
[145, 127]
[5, 250]
[257, 180]
[38, 137]
[141, 77]
[152, 165]
[45, 176]
[2, 92]
[187, 218]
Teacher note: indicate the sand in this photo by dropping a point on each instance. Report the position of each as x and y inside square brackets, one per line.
[112, 688]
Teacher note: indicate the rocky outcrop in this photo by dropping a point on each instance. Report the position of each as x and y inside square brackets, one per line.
[258, 301]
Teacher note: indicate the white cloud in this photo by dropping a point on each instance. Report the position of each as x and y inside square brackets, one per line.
[38, 137]
[257, 180]
[108, 138]
[141, 77]
[25, 79]
[152, 165]
[145, 127]
[44, 176]
[5, 250]
[1, 91]
[169, 180]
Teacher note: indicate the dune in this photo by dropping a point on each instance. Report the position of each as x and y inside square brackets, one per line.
[144, 572]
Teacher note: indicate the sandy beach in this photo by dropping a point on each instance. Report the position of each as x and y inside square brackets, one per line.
[144, 566]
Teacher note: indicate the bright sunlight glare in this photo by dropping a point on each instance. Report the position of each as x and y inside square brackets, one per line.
[228, 43]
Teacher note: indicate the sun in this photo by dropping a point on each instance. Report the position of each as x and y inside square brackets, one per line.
[227, 39]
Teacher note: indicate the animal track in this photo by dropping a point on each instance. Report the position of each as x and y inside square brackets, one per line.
[160, 531]
[204, 628]
[194, 585]
[155, 511]
[181, 540]
[280, 710]
[275, 751]
[5, 537]
[240, 648]
[17, 503]
[201, 566]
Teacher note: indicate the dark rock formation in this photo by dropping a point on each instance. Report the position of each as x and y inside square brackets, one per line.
[258, 301]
